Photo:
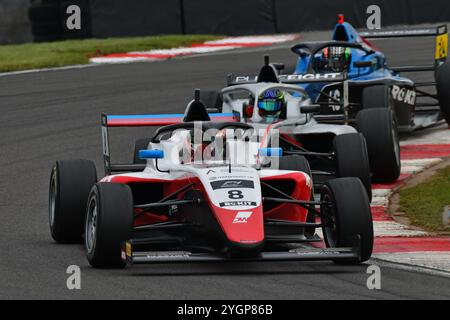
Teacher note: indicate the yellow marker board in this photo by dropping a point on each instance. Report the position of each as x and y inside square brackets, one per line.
[441, 46]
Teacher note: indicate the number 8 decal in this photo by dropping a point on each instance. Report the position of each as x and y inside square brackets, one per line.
[235, 194]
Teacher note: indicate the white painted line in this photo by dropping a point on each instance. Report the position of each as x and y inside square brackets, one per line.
[435, 260]
[255, 39]
[188, 50]
[379, 201]
[379, 193]
[422, 162]
[120, 60]
[395, 229]
[411, 169]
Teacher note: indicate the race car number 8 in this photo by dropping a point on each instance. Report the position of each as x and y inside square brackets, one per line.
[235, 194]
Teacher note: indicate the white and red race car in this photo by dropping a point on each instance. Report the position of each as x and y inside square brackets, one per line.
[208, 191]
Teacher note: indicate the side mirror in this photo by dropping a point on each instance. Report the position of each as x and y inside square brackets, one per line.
[362, 64]
[151, 154]
[270, 152]
[310, 109]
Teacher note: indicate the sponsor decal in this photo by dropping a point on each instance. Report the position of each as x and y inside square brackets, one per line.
[293, 77]
[310, 76]
[314, 252]
[405, 95]
[242, 217]
[168, 254]
[243, 79]
[238, 204]
[226, 184]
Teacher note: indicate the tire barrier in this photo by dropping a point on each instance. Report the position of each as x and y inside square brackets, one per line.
[118, 18]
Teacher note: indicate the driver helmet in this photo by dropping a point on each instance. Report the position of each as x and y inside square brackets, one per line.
[271, 103]
[335, 59]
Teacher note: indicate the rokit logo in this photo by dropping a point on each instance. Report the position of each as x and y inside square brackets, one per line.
[242, 217]
[237, 204]
[404, 95]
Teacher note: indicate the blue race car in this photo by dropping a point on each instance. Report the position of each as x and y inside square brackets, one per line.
[381, 102]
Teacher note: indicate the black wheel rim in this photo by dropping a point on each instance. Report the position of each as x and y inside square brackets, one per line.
[329, 221]
[91, 225]
[52, 199]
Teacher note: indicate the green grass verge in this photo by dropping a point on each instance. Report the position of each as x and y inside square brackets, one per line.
[70, 52]
[424, 203]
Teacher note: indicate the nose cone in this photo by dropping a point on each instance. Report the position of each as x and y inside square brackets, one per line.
[244, 228]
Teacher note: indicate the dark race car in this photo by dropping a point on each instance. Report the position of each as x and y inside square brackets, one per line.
[377, 93]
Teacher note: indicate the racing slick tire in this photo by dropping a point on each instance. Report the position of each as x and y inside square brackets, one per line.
[299, 163]
[378, 96]
[141, 144]
[70, 184]
[109, 222]
[379, 127]
[295, 163]
[348, 220]
[443, 85]
[352, 159]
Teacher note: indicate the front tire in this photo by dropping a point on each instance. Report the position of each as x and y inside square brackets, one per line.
[443, 85]
[109, 222]
[379, 127]
[352, 159]
[70, 184]
[347, 217]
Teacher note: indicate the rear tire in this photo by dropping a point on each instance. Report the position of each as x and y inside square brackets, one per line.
[378, 96]
[352, 159]
[212, 99]
[141, 144]
[299, 163]
[70, 184]
[348, 218]
[443, 85]
[379, 127]
[295, 163]
[109, 222]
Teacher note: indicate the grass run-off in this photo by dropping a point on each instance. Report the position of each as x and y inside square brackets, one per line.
[424, 203]
[72, 52]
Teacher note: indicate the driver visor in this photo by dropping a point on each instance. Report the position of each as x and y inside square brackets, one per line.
[269, 105]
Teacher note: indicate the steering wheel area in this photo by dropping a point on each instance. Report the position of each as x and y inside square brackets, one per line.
[312, 48]
[193, 125]
[218, 127]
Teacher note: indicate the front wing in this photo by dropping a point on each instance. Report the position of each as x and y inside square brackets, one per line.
[300, 254]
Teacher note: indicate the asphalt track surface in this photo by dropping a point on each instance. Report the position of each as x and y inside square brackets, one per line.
[55, 115]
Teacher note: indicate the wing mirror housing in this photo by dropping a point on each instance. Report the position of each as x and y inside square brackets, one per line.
[151, 154]
[270, 152]
[314, 108]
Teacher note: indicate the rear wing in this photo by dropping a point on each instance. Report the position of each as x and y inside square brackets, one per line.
[145, 120]
[439, 32]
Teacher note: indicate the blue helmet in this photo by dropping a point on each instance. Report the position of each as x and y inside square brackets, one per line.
[270, 102]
